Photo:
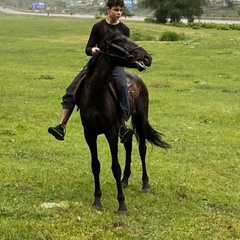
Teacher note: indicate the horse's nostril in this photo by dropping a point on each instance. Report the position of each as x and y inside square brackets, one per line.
[147, 60]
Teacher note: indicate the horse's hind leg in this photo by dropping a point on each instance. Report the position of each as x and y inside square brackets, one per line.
[142, 151]
[92, 143]
[140, 121]
[128, 160]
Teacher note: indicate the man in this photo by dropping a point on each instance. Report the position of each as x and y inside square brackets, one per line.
[114, 12]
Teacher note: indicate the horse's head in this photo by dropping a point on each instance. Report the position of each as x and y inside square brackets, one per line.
[125, 52]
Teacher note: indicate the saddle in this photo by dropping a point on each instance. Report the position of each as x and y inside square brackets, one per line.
[133, 89]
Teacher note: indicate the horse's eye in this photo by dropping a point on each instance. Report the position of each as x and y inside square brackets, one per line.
[120, 40]
[123, 40]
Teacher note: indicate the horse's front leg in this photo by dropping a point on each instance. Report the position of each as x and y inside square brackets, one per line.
[116, 169]
[128, 160]
[92, 143]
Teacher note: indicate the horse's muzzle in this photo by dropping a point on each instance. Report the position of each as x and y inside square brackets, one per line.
[147, 60]
[144, 63]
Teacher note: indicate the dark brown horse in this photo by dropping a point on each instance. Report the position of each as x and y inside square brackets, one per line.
[99, 111]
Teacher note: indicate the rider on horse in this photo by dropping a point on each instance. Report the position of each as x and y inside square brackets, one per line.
[114, 12]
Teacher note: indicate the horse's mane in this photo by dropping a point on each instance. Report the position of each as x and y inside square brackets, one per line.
[93, 60]
[91, 64]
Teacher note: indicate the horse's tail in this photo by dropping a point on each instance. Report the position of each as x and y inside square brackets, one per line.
[152, 136]
[155, 137]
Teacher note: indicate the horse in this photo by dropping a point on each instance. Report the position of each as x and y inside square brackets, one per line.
[99, 110]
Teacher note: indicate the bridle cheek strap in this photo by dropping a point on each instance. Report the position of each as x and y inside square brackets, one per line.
[128, 57]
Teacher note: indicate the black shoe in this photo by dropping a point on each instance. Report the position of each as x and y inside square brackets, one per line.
[58, 132]
[125, 133]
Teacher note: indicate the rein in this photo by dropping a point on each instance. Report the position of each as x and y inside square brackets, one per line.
[130, 58]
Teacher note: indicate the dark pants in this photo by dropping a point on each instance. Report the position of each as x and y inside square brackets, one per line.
[120, 82]
[67, 99]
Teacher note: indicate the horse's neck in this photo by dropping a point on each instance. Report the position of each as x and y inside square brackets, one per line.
[99, 79]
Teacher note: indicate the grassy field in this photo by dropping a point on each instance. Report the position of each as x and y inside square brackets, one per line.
[194, 88]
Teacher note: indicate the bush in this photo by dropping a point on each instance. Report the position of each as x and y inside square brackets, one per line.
[150, 20]
[137, 36]
[176, 24]
[98, 16]
[172, 36]
[209, 25]
[195, 25]
[235, 27]
[223, 26]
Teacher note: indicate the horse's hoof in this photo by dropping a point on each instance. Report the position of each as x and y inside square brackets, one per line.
[96, 207]
[124, 184]
[122, 212]
[122, 209]
[146, 190]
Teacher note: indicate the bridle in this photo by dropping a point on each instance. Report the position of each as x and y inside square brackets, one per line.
[128, 56]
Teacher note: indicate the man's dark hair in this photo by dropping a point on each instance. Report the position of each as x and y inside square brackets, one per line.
[113, 3]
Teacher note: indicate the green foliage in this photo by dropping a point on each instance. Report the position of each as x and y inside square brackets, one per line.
[230, 4]
[97, 16]
[235, 27]
[207, 25]
[212, 25]
[195, 25]
[175, 10]
[150, 20]
[138, 36]
[126, 12]
[172, 36]
[161, 14]
[177, 24]
[223, 26]
[215, 25]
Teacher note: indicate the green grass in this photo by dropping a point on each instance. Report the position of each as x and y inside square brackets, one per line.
[194, 89]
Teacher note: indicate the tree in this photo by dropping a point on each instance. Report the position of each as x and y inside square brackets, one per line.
[127, 12]
[175, 10]
[229, 3]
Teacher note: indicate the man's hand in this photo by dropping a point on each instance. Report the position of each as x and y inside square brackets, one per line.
[95, 50]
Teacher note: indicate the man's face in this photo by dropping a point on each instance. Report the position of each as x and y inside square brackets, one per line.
[115, 12]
